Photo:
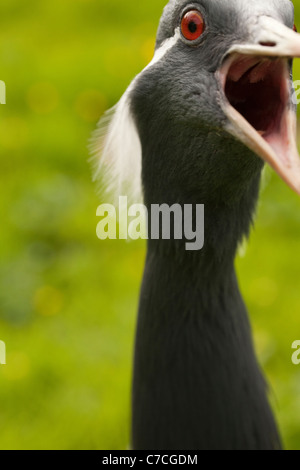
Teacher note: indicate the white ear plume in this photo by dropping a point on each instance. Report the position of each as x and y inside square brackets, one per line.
[117, 143]
[116, 147]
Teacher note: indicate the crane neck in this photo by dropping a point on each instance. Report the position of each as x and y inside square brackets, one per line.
[197, 384]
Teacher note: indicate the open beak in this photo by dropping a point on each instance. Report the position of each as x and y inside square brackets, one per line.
[258, 96]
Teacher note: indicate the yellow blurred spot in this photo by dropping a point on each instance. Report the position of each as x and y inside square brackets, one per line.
[17, 366]
[264, 346]
[48, 301]
[264, 291]
[13, 133]
[262, 341]
[42, 98]
[147, 49]
[89, 105]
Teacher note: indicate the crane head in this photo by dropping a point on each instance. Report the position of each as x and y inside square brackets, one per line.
[221, 77]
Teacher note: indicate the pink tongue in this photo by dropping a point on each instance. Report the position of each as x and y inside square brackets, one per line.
[259, 72]
[240, 67]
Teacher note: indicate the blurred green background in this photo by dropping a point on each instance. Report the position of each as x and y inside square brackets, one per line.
[68, 301]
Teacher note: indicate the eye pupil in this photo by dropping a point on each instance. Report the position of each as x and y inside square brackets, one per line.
[193, 27]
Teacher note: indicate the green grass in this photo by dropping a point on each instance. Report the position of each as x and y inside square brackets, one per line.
[68, 301]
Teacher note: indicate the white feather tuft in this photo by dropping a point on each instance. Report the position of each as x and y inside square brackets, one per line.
[117, 143]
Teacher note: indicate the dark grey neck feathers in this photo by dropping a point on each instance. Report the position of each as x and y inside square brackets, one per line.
[197, 384]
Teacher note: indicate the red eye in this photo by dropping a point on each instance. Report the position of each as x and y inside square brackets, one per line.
[295, 28]
[192, 25]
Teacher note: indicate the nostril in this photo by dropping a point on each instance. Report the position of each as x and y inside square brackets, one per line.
[268, 44]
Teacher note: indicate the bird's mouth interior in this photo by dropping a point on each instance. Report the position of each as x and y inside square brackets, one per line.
[258, 89]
